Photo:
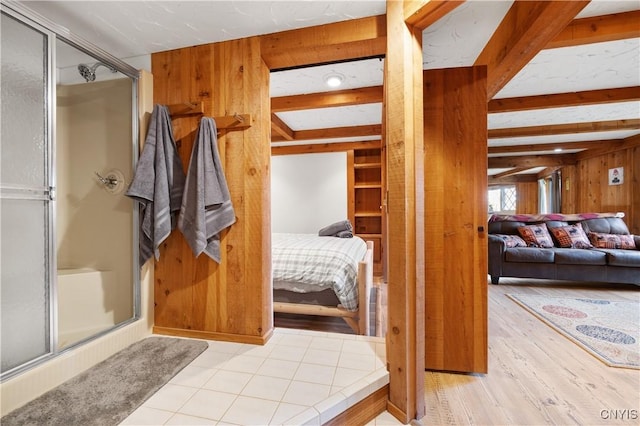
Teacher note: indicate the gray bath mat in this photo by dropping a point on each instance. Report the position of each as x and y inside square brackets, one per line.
[108, 392]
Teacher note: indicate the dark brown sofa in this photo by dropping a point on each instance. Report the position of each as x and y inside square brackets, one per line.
[612, 265]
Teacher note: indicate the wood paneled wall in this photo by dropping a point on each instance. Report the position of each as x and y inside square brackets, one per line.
[586, 186]
[199, 297]
[527, 200]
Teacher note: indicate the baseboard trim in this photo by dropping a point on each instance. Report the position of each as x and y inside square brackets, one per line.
[212, 335]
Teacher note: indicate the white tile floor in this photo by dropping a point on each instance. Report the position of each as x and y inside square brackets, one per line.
[298, 377]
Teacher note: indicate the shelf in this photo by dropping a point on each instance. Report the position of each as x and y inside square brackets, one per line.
[366, 198]
[365, 236]
[367, 165]
[368, 214]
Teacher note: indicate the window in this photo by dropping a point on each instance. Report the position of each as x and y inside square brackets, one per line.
[502, 199]
[549, 193]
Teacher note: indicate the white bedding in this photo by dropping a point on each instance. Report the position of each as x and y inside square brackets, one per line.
[306, 263]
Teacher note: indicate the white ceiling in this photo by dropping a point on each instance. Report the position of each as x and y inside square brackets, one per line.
[130, 29]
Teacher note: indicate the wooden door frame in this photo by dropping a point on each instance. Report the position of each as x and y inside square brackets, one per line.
[397, 36]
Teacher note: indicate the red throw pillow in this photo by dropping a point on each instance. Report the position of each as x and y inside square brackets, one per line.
[536, 235]
[571, 236]
[612, 241]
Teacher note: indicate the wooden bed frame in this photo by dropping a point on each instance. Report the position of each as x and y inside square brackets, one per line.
[357, 320]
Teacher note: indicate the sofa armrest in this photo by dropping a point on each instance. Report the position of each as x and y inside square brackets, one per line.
[497, 248]
[636, 239]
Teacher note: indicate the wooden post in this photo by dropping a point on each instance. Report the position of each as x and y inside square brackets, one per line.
[405, 177]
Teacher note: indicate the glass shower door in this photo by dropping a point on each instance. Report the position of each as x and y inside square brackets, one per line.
[25, 195]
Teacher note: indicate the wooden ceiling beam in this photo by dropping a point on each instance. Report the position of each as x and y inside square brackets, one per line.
[560, 100]
[340, 41]
[526, 29]
[548, 171]
[532, 161]
[281, 128]
[333, 133]
[626, 143]
[420, 14]
[364, 95]
[616, 26]
[551, 146]
[511, 172]
[524, 178]
[314, 148]
[563, 129]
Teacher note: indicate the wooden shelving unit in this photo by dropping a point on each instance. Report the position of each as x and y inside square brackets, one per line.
[366, 199]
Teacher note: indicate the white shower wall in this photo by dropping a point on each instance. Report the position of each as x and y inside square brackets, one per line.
[94, 226]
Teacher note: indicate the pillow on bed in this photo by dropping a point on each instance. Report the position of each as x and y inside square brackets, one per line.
[612, 241]
[512, 240]
[571, 236]
[536, 235]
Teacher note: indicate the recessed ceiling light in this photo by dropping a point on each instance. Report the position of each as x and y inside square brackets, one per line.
[557, 150]
[334, 79]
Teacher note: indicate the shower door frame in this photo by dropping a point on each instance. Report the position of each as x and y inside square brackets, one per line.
[54, 32]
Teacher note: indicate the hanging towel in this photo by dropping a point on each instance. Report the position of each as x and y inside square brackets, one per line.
[206, 204]
[157, 184]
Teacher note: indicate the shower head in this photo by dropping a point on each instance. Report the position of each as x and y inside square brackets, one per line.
[88, 72]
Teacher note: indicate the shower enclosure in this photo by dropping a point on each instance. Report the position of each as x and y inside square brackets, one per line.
[68, 255]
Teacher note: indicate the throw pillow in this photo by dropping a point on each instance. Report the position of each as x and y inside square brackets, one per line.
[536, 235]
[571, 236]
[512, 241]
[613, 241]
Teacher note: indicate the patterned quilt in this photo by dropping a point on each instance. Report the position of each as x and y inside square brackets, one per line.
[550, 216]
[306, 263]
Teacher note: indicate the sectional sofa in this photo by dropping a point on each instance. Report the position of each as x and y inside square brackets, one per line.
[594, 247]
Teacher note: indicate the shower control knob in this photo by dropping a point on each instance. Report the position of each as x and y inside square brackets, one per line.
[113, 181]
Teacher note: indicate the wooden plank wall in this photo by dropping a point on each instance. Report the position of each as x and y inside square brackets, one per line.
[589, 189]
[455, 128]
[198, 297]
[569, 185]
[527, 198]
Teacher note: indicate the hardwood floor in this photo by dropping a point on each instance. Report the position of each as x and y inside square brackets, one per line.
[536, 375]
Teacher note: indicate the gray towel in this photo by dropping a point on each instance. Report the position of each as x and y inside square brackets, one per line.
[333, 229]
[157, 184]
[344, 234]
[206, 204]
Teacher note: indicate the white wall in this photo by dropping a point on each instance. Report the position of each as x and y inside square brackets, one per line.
[308, 191]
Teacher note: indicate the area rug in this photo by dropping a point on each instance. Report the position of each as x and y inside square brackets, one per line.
[111, 390]
[608, 329]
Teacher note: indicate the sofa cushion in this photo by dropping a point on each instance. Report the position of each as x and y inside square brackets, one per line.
[536, 235]
[617, 257]
[612, 241]
[505, 227]
[529, 255]
[580, 257]
[571, 236]
[605, 225]
[511, 240]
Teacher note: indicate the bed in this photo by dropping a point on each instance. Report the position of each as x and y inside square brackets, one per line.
[325, 276]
